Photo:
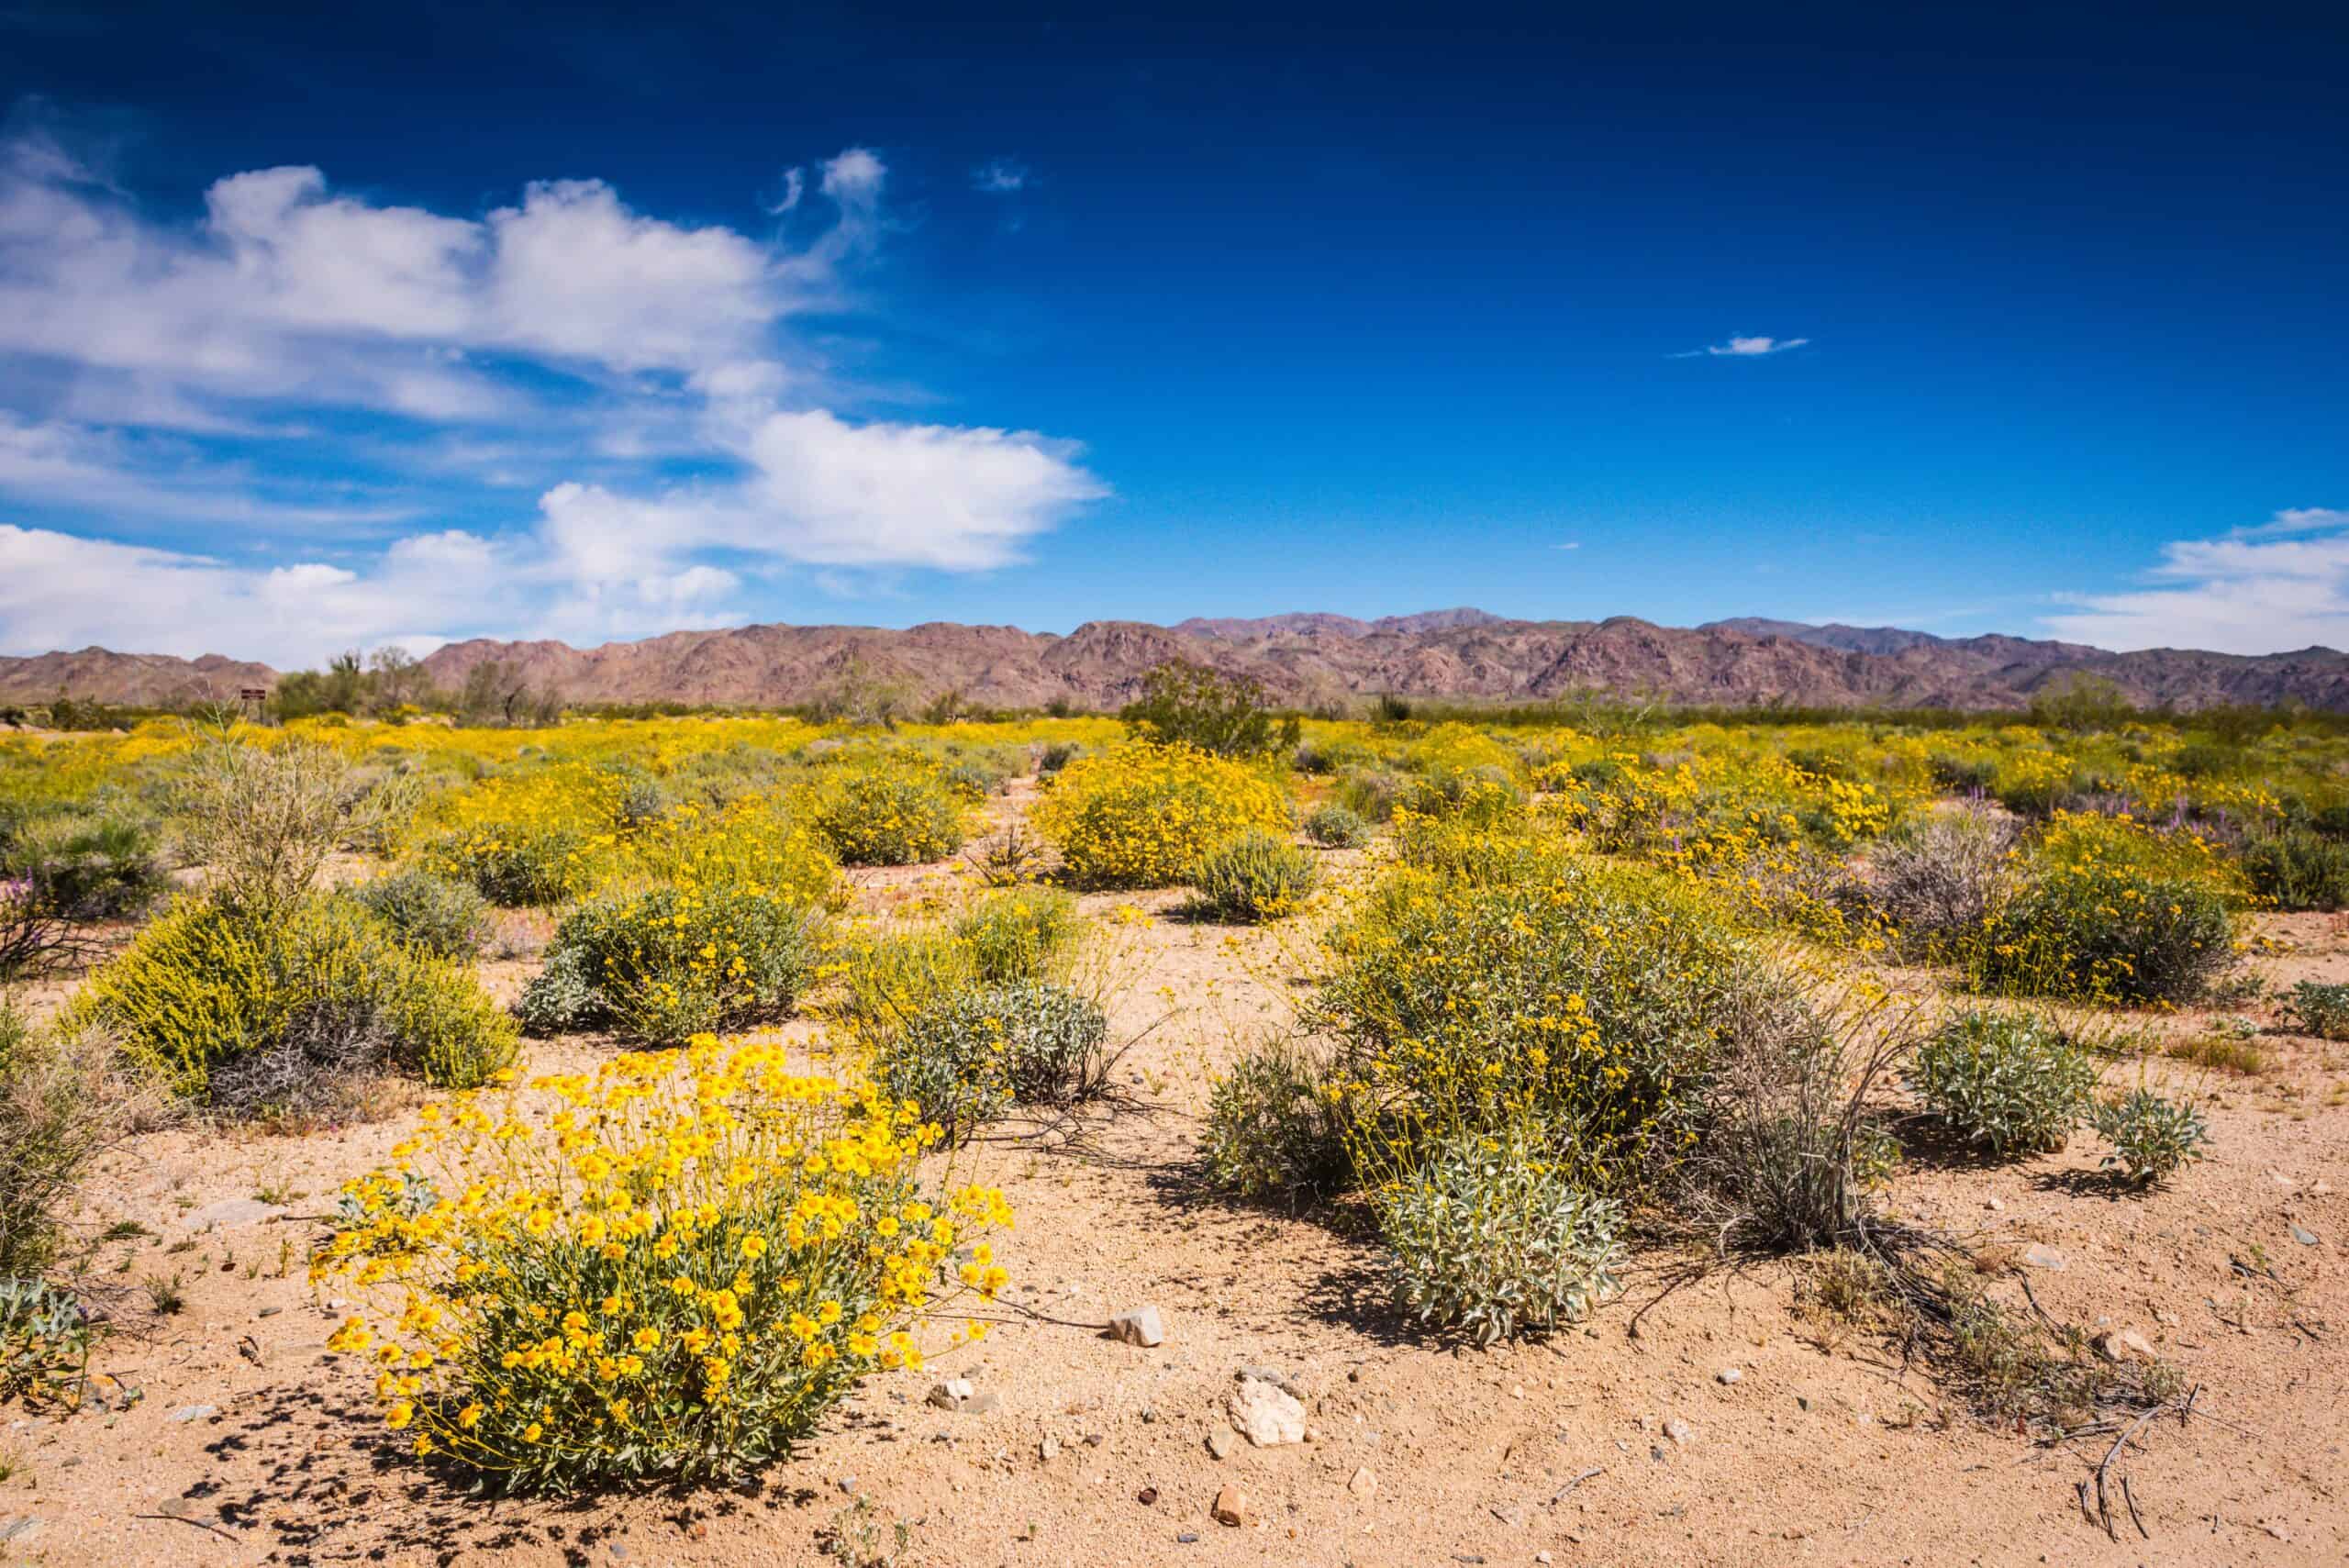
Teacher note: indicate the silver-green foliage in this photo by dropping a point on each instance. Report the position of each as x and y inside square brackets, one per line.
[1276, 1124]
[1488, 1237]
[2010, 1080]
[966, 1059]
[2152, 1135]
[1255, 877]
[1336, 827]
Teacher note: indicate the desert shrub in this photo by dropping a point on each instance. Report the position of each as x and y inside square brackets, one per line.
[1954, 775]
[517, 865]
[758, 842]
[1489, 1236]
[87, 867]
[262, 820]
[1484, 794]
[1252, 878]
[976, 772]
[1214, 711]
[1936, 877]
[2296, 868]
[34, 936]
[675, 962]
[447, 919]
[2152, 1136]
[1371, 794]
[1017, 934]
[291, 1012]
[1587, 1000]
[61, 1107]
[1059, 754]
[1276, 1124]
[44, 1341]
[970, 1056]
[1142, 815]
[894, 812]
[2107, 935]
[682, 1295]
[1788, 1156]
[2321, 1010]
[2010, 1080]
[889, 977]
[1331, 754]
[638, 799]
[1335, 827]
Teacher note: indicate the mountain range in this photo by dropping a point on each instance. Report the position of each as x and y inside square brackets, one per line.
[1303, 660]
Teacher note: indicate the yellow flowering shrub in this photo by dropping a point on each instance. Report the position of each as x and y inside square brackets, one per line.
[898, 811]
[1143, 814]
[670, 1268]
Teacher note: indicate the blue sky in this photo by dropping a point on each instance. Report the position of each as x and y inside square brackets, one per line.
[332, 331]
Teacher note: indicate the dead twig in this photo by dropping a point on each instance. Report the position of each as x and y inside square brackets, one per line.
[1559, 1495]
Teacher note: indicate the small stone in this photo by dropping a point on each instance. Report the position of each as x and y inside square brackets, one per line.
[1049, 1450]
[268, 1312]
[1185, 1539]
[2123, 1345]
[1727, 1375]
[1141, 1327]
[1147, 1497]
[2305, 1237]
[2039, 1255]
[1680, 1432]
[951, 1394]
[1231, 1508]
[233, 1214]
[2167, 1318]
[1362, 1484]
[193, 1412]
[1266, 1414]
[24, 1526]
[1995, 1206]
[1541, 1557]
[1220, 1443]
[848, 1484]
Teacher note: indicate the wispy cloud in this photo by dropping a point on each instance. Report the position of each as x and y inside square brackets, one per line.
[1001, 176]
[2268, 588]
[1743, 349]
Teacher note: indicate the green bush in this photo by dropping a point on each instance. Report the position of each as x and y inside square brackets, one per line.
[1017, 934]
[1209, 710]
[87, 867]
[970, 1056]
[1954, 775]
[1056, 756]
[1277, 1124]
[1371, 794]
[1489, 1237]
[289, 1012]
[2150, 1136]
[44, 1341]
[2013, 1081]
[1335, 827]
[515, 865]
[2299, 869]
[663, 966]
[894, 813]
[447, 919]
[1252, 878]
[2320, 1009]
[2110, 934]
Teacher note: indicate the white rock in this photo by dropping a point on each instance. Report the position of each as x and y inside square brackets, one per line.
[1727, 1375]
[951, 1394]
[1362, 1484]
[1141, 1327]
[2039, 1255]
[1266, 1415]
[1680, 1432]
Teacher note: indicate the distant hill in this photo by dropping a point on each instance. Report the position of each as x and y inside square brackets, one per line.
[1304, 660]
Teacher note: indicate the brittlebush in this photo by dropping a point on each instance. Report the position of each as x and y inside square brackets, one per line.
[1144, 816]
[670, 1268]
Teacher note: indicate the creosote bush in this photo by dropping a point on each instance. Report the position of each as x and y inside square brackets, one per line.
[445, 918]
[1278, 1124]
[2013, 1081]
[670, 1269]
[1491, 1237]
[1144, 816]
[1252, 878]
[2152, 1136]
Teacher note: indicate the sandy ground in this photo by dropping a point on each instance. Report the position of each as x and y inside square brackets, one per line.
[1622, 1443]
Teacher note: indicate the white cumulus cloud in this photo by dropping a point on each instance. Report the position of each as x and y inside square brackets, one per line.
[2273, 587]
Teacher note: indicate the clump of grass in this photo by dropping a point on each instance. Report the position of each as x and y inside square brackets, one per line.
[2221, 1053]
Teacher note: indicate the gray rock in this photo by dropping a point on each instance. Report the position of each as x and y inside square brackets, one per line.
[1679, 1431]
[1141, 1327]
[2039, 1255]
[1220, 1443]
[24, 1526]
[192, 1412]
[1727, 1375]
[2305, 1237]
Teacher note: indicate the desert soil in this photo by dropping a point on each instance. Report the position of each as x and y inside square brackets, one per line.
[1703, 1418]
